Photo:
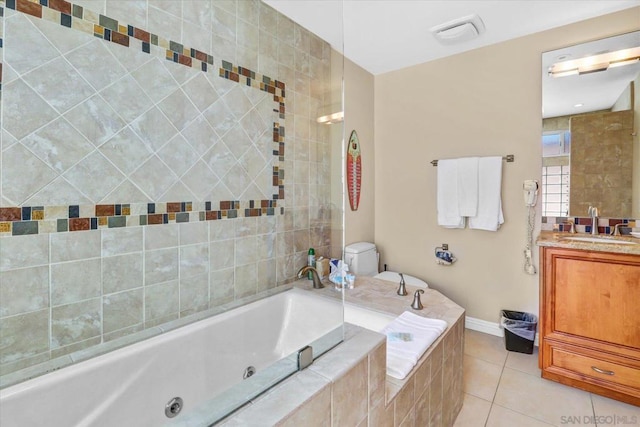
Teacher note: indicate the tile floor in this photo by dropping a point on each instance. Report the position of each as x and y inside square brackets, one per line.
[504, 389]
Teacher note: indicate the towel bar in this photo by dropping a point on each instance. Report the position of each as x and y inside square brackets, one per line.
[509, 158]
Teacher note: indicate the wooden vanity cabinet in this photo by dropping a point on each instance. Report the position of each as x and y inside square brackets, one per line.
[589, 322]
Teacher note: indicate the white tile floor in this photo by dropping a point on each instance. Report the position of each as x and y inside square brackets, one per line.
[504, 389]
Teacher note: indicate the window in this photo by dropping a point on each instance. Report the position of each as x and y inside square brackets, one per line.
[556, 146]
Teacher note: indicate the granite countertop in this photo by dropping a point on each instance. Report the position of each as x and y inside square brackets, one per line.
[559, 240]
[380, 295]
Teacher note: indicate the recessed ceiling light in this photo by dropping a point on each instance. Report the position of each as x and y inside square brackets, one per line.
[579, 105]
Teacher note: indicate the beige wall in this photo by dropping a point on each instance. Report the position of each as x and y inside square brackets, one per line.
[483, 102]
[359, 105]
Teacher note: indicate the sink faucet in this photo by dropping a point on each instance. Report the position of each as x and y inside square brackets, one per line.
[616, 229]
[593, 213]
[317, 284]
[572, 229]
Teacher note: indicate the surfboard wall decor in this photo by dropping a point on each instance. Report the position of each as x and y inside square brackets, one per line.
[354, 171]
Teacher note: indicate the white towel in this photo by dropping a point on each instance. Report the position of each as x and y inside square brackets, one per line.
[447, 195]
[489, 216]
[468, 186]
[419, 332]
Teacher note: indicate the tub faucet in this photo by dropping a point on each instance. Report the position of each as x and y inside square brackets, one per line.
[317, 284]
[593, 213]
[402, 290]
[417, 304]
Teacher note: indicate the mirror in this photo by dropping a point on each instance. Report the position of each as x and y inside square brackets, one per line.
[590, 103]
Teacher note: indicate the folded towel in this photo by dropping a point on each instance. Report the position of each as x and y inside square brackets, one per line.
[408, 337]
[398, 367]
[489, 216]
[447, 195]
[468, 186]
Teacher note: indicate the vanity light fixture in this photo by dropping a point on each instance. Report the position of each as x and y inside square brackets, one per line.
[595, 63]
[330, 119]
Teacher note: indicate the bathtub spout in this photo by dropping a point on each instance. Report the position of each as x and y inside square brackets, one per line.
[317, 284]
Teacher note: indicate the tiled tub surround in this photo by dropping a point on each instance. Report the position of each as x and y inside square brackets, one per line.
[348, 386]
[188, 130]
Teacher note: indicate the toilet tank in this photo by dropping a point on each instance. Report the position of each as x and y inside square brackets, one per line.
[362, 258]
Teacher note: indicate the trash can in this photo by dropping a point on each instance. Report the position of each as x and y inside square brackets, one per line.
[519, 330]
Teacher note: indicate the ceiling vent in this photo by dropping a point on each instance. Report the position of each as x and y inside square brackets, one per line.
[459, 30]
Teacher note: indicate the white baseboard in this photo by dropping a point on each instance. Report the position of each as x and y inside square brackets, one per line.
[491, 328]
[480, 325]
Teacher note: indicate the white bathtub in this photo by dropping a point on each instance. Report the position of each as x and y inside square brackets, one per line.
[369, 319]
[131, 386]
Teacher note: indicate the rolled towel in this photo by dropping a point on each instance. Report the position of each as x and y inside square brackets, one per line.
[408, 337]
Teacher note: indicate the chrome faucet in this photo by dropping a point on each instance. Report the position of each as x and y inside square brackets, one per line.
[593, 213]
[616, 229]
[317, 284]
[402, 290]
[417, 304]
[572, 229]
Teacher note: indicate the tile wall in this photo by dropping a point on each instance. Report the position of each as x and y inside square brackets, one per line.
[602, 162]
[158, 158]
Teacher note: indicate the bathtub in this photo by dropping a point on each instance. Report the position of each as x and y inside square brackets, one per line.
[203, 363]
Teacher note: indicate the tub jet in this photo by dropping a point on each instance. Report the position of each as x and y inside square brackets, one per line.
[248, 372]
[173, 407]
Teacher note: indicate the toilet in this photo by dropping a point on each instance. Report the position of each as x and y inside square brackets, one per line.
[362, 259]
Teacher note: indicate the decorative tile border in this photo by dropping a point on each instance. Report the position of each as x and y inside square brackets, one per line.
[79, 18]
[583, 224]
[18, 221]
[26, 220]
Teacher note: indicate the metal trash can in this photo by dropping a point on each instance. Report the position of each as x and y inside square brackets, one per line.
[519, 330]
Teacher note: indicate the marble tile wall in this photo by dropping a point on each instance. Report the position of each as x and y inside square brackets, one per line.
[602, 162]
[133, 178]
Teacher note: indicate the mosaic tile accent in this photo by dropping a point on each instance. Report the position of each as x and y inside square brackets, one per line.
[58, 219]
[583, 224]
[32, 220]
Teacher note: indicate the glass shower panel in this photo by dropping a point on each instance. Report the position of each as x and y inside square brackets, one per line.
[182, 142]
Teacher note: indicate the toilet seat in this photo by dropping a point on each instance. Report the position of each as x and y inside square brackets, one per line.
[392, 276]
